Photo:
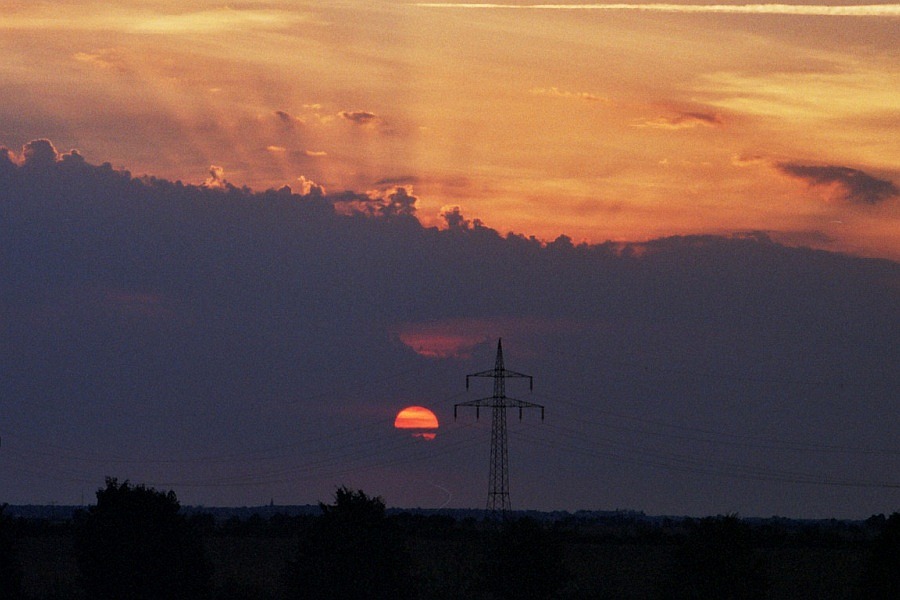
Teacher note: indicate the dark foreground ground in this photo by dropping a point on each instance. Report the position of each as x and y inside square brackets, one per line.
[625, 556]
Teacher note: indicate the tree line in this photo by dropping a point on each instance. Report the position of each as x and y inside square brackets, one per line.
[136, 543]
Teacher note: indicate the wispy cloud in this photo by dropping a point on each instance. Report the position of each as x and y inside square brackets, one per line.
[144, 21]
[870, 10]
[686, 120]
[558, 93]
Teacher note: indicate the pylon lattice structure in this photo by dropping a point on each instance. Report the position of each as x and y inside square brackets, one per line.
[498, 485]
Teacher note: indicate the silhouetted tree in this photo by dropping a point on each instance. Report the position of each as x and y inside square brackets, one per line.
[10, 568]
[351, 551]
[524, 561]
[134, 544]
[881, 578]
[718, 562]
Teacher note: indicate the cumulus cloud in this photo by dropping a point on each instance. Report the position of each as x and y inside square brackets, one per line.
[454, 218]
[399, 202]
[39, 153]
[855, 186]
[684, 120]
[309, 187]
[150, 301]
[216, 179]
[392, 202]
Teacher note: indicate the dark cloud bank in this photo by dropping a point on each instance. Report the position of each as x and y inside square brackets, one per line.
[858, 187]
[242, 346]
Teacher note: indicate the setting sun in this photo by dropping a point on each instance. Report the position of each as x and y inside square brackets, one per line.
[418, 419]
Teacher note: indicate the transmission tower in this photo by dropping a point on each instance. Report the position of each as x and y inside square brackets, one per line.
[498, 486]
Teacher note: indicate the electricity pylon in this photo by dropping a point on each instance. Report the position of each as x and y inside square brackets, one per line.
[498, 487]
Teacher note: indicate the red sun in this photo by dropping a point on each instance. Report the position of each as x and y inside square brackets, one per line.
[420, 421]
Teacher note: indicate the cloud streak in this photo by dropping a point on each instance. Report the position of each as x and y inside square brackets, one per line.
[822, 10]
[359, 117]
[687, 120]
[558, 93]
[144, 21]
[857, 187]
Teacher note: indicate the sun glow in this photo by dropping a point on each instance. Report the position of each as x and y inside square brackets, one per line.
[419, 420]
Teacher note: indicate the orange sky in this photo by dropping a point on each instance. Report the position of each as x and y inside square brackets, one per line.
[597, 124]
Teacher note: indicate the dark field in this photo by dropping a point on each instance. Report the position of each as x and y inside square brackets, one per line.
[600, 558]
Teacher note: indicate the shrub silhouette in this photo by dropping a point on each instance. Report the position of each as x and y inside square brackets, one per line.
[134, 544]
[10, 568]
[718, 562]
[351, 551]
[881, 577]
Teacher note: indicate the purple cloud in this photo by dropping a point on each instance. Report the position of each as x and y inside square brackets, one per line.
[272, 331]
[858, 187]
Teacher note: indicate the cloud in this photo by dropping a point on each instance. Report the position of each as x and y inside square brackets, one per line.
[685, 120]
[389, 203]
[276, 336]
[822, 10]
[308, 187]
[216, 179]
[454, 218]
[855, 186]
[401, 180]
[39, 154]
[360, 117]
[748, 160]
[287, 120]
[315, 153]
[105, 58]
[558, 93]
[130, 19]
[399, 202]
[214, 21]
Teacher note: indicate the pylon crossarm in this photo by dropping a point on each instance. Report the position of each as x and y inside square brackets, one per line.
[489, 402]
[521, 404]
[498, 402]
[497, 373]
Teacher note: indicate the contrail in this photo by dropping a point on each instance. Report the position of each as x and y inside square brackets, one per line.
[821, 10]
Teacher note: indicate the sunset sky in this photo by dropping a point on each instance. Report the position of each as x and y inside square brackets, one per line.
[682, 219]
[599, 124]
